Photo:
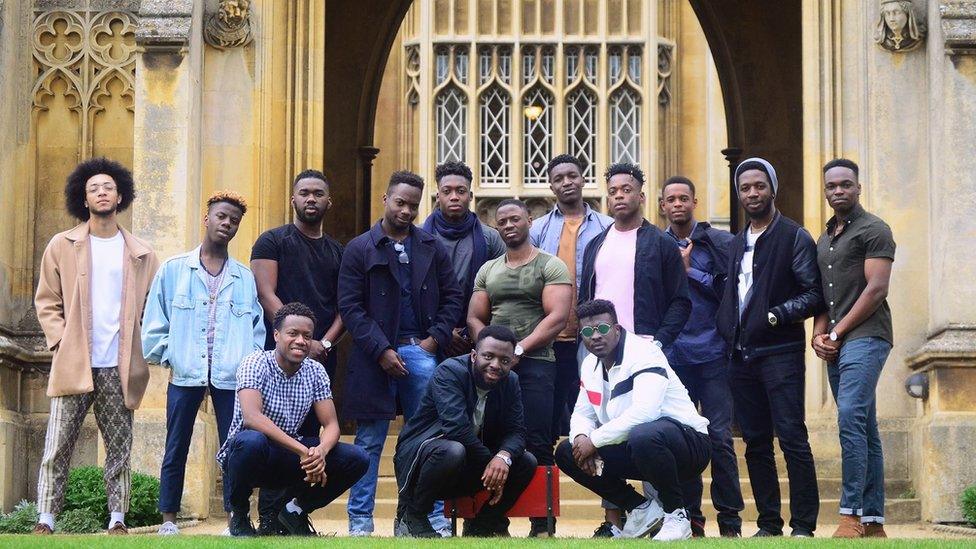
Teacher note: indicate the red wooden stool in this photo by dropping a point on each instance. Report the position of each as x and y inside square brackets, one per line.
[540, 499]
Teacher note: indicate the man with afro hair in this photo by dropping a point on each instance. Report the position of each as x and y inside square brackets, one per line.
[90, 295]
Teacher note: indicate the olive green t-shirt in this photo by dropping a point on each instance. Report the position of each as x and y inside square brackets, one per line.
[516, 294]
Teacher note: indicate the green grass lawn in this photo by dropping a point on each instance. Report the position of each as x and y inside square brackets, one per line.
[154, 542]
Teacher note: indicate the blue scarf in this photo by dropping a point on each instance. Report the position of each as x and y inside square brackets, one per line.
[437, 223]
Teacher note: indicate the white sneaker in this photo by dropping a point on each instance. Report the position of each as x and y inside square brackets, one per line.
[642, 520]
[168, 529]
[445, 532]
[360, 534]
[676, 526]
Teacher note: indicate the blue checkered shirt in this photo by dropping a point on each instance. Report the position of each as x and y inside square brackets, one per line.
[286, 401]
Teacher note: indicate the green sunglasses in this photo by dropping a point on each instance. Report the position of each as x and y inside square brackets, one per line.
[588, 331]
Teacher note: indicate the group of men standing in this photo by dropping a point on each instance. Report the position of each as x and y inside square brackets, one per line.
[641, 344]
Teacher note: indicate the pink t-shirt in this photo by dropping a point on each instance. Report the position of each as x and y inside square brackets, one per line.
[615, 274]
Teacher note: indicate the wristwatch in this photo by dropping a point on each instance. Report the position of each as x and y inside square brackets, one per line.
[772, 319]
[519, 351]
[833, 336]
[506, 459]
[327, 344]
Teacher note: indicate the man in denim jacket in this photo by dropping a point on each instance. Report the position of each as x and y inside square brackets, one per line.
[202, 318]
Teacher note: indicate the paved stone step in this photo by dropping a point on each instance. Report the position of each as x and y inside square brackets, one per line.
[827, 467]
[897, 511]
[568, 489]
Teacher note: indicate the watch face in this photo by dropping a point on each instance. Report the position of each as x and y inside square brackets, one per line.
[519, 350]
[327, 344]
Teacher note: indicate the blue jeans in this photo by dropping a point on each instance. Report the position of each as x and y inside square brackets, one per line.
[371, 434]
[182, 405]
[253, 461]
[853, 380]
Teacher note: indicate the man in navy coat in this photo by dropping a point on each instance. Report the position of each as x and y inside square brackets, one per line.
[400, 301]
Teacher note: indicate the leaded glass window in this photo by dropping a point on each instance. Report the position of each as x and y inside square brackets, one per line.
[495, 106]
[537, 137]
[625, 126]
[451, 115]
[581, 126]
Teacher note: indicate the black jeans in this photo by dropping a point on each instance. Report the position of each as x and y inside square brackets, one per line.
[566, 387]
[253, 461]
[536, 379]
[445, 472]
[708, 387]
[769, 401]
[662, 452]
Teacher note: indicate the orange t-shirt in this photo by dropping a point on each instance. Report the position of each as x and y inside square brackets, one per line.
[567, 252]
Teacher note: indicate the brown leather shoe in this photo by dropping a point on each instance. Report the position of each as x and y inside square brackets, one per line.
[118, 529]
[43, 529]
[850, 527]
[874, 530]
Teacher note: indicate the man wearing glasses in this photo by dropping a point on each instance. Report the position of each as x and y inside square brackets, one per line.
[633, 420]
[400, 301]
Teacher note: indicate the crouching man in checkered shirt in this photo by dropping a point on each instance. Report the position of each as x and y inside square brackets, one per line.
[276, 390]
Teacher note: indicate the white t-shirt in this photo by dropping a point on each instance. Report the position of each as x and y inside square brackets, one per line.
[614, 266]
[106, 299]
[745, 268]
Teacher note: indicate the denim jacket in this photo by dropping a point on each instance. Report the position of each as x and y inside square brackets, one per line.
[174, 324]
[546, 230]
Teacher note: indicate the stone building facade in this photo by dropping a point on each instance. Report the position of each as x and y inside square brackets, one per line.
[201, 95]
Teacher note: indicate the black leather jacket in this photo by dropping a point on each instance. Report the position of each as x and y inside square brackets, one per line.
[786, 283]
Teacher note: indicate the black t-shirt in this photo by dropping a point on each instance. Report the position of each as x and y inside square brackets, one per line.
[308, 272]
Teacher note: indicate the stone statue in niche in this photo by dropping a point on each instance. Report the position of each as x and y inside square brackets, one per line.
[230, 26]
[899, 29]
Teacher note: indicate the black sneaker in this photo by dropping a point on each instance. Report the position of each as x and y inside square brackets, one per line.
[729, 533]
[539, 527]
[763, 533]
[297, 524]
[697, 528]
[269, 525]
[479, 527]
[417, 526]
[801, 533]
[605, 530]
[240, 524]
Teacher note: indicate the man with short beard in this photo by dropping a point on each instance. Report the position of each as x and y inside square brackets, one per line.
[400, 300]
[854, 336]
[469, 241]
[773, 286]
[468, 435]
[90, 295]
[199, 299]
[529, 291]
[299, 262]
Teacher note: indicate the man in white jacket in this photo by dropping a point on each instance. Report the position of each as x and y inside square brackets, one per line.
[633, 420]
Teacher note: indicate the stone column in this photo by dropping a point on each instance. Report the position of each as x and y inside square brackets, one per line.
[166, 166]
[946, 432]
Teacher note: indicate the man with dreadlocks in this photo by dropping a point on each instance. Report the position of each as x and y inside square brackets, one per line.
[202, 318]
[90, 295]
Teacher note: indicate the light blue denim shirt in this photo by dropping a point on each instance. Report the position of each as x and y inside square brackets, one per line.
[174, 324]
[546, 230]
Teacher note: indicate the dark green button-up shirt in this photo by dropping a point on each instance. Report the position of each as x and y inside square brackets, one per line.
[841, 260]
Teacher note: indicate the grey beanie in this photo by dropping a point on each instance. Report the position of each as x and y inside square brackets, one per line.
[770, 171]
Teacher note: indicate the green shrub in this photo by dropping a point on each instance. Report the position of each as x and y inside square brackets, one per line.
[86, 491]
[78, 521]
[21, 520]
[969, 504]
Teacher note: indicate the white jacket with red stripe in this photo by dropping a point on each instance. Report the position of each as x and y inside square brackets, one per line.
[639, 388]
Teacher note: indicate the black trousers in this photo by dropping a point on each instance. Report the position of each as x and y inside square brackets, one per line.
[271, 500]
[769, 401]
[446, 472]
[566, 387]
[536, 380]
[708, 386]
[662, 452]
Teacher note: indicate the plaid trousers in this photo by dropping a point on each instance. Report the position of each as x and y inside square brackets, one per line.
[114, 422]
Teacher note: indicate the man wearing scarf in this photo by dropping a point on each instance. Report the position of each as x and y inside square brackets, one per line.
[468, 241]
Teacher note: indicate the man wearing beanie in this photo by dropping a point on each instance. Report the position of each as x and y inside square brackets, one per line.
[773, 286]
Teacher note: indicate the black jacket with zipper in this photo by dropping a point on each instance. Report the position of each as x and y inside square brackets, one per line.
[785, 282]
[446, 411]
[661, 301]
